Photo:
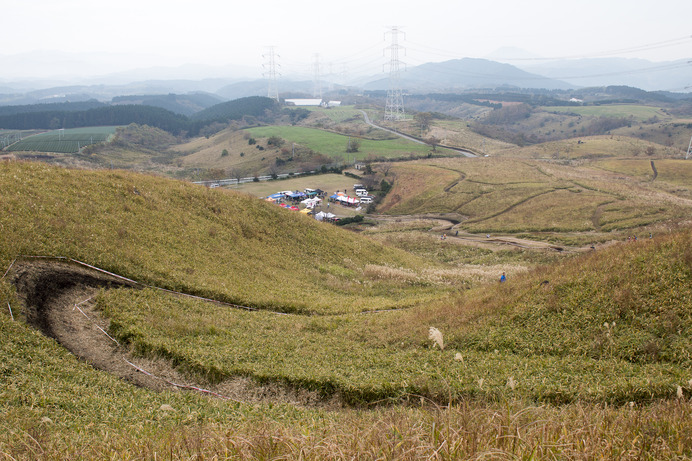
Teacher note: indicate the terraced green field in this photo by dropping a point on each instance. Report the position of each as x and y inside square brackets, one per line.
[63, 141]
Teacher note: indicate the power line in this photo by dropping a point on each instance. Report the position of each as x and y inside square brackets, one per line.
[633, 49]
[317, 85]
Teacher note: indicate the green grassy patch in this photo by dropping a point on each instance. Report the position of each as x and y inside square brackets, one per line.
[333, 144]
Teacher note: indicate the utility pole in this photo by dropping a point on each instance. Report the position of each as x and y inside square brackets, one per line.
[272, 87]
[689, 150]
[394, 106]
[316, 84]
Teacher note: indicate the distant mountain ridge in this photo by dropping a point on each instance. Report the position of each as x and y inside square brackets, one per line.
[638, 73]
[467, 73]
[452, 76]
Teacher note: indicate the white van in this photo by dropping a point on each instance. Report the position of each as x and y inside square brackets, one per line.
[361, 192]
[366, 200]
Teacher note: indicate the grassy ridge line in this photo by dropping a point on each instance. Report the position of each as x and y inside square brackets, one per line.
[618, 332]
[217, 244]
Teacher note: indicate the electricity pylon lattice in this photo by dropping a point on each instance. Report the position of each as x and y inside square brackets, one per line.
[271, 73]
[689, 150]
[316, 83]
[394, 106]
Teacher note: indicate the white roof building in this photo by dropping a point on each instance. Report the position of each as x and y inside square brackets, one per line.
[303, 102]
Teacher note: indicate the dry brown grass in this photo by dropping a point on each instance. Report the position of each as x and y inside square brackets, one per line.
[470, 430]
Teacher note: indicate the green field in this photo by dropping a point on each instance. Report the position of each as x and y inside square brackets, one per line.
[333, 144]
[63, 141]
[637, 112]
[337, 114]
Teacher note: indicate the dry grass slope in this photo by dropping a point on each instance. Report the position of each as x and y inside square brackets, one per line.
[543, 366]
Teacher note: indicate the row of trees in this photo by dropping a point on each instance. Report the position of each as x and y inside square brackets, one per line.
[202, 123]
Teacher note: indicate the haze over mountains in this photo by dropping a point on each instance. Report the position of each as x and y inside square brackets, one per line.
[39, 77]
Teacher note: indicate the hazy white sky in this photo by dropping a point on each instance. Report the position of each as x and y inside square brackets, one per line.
[348, 35]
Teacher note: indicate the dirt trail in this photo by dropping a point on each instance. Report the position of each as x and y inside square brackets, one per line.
[59, 301]
[446, 223]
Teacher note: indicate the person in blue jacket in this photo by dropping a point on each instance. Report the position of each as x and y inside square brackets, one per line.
[502, 277]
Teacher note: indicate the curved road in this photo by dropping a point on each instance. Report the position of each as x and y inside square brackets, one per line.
[410, 138]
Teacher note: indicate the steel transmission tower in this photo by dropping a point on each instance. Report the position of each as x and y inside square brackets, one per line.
[271, 73]
[316, 84]
[394, 106]
[689, 150]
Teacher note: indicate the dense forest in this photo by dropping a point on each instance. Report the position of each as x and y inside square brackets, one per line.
[52, 107]
[66, 116]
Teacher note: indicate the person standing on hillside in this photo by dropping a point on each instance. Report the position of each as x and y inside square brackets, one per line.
[503, 277]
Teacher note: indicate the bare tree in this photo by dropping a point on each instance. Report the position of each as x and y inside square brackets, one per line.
[433, 141]
[237, 174]
[423, 119]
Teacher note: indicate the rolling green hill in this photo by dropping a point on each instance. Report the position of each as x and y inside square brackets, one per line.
[222, 244]
[547, 348]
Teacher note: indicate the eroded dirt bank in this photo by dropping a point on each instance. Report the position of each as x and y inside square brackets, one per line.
[59, 301]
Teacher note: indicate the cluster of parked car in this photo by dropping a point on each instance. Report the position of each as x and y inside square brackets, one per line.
[363, 194]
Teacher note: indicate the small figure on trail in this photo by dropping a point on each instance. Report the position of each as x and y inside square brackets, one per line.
[456, 234]
[651, 235]
[503, 278]
[487, 236]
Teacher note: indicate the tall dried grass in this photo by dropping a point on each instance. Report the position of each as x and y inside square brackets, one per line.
[470, 430]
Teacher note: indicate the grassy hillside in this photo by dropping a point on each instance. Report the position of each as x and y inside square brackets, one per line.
[635, 111]
[594, 147]
[220, 244]
[56, 407]
[622, 334]
[522, 365]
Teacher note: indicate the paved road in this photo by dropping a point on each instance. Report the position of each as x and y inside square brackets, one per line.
[410, 138]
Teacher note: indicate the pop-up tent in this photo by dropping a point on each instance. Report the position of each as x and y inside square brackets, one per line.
[311, 202]
[347, 200]
[322, 216]
[296, 195]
